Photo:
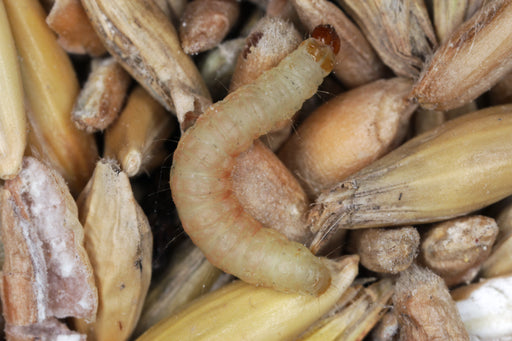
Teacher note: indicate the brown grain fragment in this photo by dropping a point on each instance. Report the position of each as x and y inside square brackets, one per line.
[455, 249]
[20, 289]
[205, 23]
[424, 307]
[46, 272]
[68, 19]
[261, 181]
[386, 250]
[348, 133]
[102, 97]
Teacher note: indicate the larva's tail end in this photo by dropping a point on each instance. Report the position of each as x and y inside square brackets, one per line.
[342, 272]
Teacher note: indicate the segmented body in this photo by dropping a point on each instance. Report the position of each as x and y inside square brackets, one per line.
[201, 177]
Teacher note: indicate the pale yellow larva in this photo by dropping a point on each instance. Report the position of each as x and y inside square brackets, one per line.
[201, 175]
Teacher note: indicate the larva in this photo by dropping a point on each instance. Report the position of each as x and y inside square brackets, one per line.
[201, 184]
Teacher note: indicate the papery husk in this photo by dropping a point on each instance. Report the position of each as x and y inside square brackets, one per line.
[13, 122]
[356, 63]
[400, 31]
[51, 87]
[448, 15]
[243, 311]
[188, 276]
[136, 138]
[461, 166]
[119, 243]
[354, 320]
[471, 61]
[143, 40]
[424, 308]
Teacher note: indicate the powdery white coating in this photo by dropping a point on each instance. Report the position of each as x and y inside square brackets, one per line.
[62, 275]
[47, 214]
[49, 330]
[75, 337]
[40, 275]
[487, 311]
[97, 85]
[201, 177]
[272, 27]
